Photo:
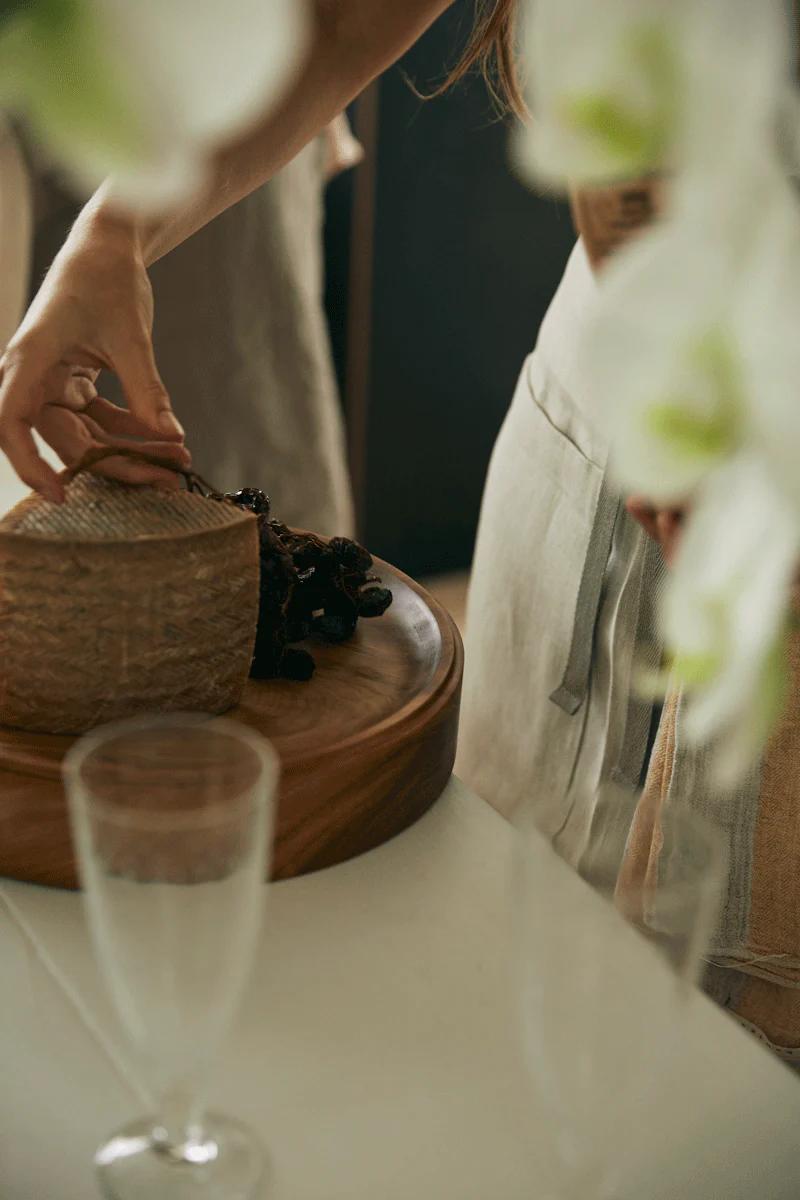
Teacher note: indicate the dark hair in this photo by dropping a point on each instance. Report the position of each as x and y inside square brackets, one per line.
[492, 48]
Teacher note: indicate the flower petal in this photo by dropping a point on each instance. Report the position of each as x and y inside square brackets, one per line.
[143, 91]
[664, 369]
[727, 601]
[632, 86]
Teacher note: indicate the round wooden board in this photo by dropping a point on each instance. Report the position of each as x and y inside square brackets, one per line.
[366, 747]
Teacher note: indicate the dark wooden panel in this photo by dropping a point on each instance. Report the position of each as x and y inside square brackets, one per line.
[466, 260]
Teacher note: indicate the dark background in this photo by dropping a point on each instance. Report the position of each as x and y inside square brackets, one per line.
[465, 261]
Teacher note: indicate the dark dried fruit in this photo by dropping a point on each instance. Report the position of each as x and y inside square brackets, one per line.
[350, 554]
[308, 587]
[252, 499]
[335, 627]
[374, 601]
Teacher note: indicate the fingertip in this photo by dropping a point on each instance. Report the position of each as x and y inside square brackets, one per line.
[169, 452]
[53, 483]
[56, 495]
[140, 474]
[169, 426]
[147, 397]
[49, 488]
[172, 484]
[19, 446]
[46, 482]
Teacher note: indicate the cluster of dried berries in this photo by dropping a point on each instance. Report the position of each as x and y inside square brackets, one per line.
[309, 588]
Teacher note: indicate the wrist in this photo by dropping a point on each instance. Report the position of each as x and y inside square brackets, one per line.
[103, 224]
[103, 227]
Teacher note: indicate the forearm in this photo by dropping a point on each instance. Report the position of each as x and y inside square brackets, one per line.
[353, 42]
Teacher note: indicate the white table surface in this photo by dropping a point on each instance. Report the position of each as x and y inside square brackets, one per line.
[377, 1052]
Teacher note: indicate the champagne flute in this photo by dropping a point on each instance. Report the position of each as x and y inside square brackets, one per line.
[172, 820]
[605, 970]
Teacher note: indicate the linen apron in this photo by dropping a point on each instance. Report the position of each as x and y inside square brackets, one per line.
[753, 961]
[560, 607]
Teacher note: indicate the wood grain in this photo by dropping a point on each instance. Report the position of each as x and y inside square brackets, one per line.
[366, 747]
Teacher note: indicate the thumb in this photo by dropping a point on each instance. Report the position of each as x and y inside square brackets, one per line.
[144, 389]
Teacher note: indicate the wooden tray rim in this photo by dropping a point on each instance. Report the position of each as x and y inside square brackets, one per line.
[438, 693]
[444, 681]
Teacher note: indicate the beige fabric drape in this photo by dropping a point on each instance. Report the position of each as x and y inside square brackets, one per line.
[241, 341]
[15, 232]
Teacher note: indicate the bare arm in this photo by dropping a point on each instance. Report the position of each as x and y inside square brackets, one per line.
[353, 43]
[94, 308]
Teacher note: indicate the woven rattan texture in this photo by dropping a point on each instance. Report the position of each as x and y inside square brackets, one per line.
[98, 510]
[123, 601]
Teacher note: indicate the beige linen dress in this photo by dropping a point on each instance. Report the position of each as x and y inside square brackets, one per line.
[241, 340]
[15, 227]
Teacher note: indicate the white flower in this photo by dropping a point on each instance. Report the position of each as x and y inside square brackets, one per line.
[725, 611]
[694, 356]
[692, 347]
[629, 86]
[692, 350]
[603, 89]
[664, 367]
[144, 90]
[766, 325]
[738, 66]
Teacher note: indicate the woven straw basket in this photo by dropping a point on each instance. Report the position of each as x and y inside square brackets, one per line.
[123, 600]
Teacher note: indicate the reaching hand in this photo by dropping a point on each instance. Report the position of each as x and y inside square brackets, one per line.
[94, 309]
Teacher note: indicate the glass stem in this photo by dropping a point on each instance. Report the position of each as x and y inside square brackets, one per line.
[179, 1121]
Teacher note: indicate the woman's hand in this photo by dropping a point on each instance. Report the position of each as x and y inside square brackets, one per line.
[94, 309]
